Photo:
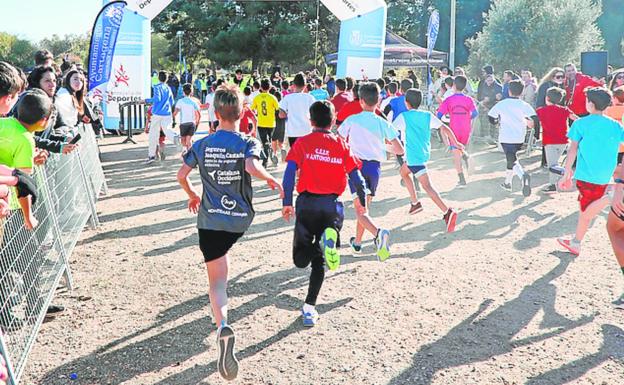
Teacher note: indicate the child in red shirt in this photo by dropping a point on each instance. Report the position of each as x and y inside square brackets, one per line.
[323, 160]
[248, 121]
[554, 118]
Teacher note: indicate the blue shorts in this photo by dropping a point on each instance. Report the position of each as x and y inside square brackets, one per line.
[418, 170]
[371, 171]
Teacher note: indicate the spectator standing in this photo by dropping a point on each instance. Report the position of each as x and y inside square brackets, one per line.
[529, 94]
[554, 78]
[575, 85]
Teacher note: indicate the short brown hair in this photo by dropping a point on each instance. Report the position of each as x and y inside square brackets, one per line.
[600, 97]
[369, 93]
[516, 87]
[228, 102]
[618, 94]
[42, 56]
[555, 95]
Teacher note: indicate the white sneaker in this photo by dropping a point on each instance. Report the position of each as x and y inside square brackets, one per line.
[227, 362]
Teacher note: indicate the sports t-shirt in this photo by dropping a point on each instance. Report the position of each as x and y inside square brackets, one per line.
[324, 160]
[415, 127]
[554, 122]
[320, 94]
[513, 114]
[187, 107]
[17, 145]
[367, 134]
[385, 102]
[227, 193]
[598, 138]
[211, 111]
[340, 99]
[460, 109]
[397, 106]
[297, 107]
[616, 113]
[265, 106]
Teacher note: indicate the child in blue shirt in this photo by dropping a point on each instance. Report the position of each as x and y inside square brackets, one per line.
[416, 127]
[594, 144]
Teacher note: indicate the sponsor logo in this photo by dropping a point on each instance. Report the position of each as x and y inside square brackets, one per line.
[121, 76]
[228, 203]
[212, 174]
[115, 14]
[356, 38]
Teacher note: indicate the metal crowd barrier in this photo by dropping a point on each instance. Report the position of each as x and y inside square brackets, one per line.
[132, 118]
[32, 263]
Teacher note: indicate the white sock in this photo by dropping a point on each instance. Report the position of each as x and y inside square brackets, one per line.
[509, 176]
[307, 308]
[518, 170]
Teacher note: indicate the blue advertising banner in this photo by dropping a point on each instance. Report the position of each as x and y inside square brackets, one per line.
[103, 41]
[432, 31]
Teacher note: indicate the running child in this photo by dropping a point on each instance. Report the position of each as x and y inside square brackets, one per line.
[594, 143]
[553, 119]
[323, 160]
[416, 129]
[616, 112]
[367, 134]
[515, 116]
[189, 116]
[461, 110]
[615, 228]
[265, 106]
[226, 160]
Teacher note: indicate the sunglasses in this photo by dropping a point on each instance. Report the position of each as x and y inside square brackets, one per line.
[559, 77]
[620, 77]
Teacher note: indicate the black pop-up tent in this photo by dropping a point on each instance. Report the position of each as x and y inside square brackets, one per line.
[400, 52]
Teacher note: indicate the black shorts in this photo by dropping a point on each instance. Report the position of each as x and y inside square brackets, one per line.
[291, 141]
[620, 156]
[279, 132]
[214, 243]
[187, 129]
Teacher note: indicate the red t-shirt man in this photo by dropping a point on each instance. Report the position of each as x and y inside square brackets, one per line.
[575, 93]
[554, 122]
[341, 99]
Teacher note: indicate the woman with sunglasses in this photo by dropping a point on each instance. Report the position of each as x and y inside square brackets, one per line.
[554, 78]
[617, 80]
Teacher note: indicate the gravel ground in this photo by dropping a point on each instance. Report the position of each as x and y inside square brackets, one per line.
[496, 302]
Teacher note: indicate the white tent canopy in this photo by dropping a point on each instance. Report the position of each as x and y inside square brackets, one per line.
[348, 9]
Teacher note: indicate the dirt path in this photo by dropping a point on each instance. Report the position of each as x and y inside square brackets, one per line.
[493, 303]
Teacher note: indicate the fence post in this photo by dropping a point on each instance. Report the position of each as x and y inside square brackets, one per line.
[4, 352]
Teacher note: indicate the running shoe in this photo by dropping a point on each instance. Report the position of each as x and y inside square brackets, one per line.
[227, 362]
[619, 303]
[506, 186]
[329, 242]
[354, 247]
[526, 184]
[284, 154]
[274, 160]
[150, 160]
[415, 208]
[462, 184]
[382, 241]
[551, 188]
[450, 218]
[162, 153]
[309, 319]
[570, 245]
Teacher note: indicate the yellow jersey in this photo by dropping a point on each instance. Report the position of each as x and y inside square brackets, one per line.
[265, 106]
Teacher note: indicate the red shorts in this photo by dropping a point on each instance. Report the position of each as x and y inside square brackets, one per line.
[589, 192]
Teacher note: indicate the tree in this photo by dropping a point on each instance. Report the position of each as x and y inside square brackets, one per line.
[16, 51]
[536, 34]
[73, 45]
[610, 22]
[161, 53]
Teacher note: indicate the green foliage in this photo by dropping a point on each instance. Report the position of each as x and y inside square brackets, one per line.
[522, 33]
[17, 51]
[612, 27]
[161, 53]
[73, 45]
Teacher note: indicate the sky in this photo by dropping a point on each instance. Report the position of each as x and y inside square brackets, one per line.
[37, 19]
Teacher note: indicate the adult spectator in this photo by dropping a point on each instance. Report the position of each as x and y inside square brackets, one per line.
[554, 78]
[341, 97]
[173, 84]
[276, 80]
[318, 92]
[187, 77]
[617, 80]
[412, 76]
[295, 107]
[485, 71]
[44, 58]
[331, 85]
[469, 90]
[529, 94]
[575, 85]
[162, 105]
[508, 76]
[490, 93]
[69, 99]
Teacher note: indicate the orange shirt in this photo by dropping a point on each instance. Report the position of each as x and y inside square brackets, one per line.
[616, 113]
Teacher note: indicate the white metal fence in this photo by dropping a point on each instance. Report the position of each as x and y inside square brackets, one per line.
[32, 263]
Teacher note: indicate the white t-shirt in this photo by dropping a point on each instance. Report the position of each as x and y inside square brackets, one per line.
[448, 93]
[187, 107]
[367, 134]
[211, 111]
[297, 107]
[513, 114]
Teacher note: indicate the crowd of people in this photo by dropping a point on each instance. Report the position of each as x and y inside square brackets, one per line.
[41, 112]
[339, 131]
[330, 134]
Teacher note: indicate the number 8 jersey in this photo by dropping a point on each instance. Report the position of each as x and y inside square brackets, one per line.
[265, 106]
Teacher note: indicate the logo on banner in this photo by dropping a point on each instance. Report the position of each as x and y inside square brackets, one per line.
[121, 77]
[432, 31]
[356, 38]
[115, 15]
